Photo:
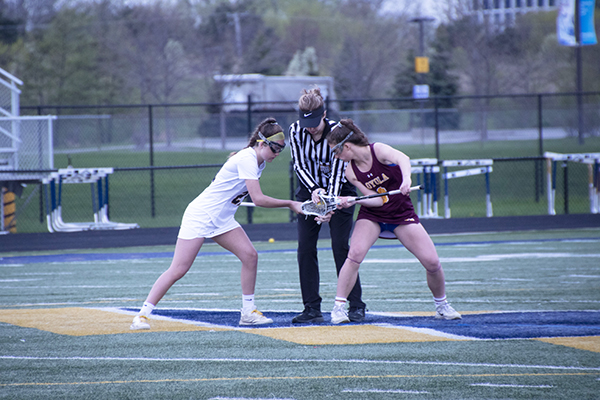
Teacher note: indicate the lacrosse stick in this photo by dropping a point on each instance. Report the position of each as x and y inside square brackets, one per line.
[323, 207]
[370, 196]
[329, 203]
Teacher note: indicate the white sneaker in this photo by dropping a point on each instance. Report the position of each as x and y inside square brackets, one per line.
[339, 315]
[445, 311]
[254, 318]
[140, 322]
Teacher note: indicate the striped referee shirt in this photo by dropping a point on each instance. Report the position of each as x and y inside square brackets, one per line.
[314, 163]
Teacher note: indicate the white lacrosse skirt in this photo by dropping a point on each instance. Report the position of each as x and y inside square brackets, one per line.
[201, 226]
[212, 212]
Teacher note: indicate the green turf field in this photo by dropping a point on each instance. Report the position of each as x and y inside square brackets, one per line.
[530, 329]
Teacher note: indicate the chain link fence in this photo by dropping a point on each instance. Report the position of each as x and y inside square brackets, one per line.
[26, 143]
[164, 155]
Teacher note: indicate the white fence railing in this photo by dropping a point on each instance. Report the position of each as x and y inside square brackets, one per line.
[9, 94]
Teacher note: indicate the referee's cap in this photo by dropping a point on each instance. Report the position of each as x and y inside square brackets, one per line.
[311, 119]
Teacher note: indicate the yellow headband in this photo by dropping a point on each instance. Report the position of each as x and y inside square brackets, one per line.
[277, 136]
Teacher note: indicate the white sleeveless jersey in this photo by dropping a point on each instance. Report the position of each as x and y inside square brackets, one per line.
[221, 199]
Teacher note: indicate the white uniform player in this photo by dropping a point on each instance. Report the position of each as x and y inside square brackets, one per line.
[212, 212]
[211, 215]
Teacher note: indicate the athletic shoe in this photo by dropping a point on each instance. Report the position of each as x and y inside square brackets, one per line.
[140, 322]
[254, 318]
[339, 315]
[356, 314]
[445, 311]
[308, 316]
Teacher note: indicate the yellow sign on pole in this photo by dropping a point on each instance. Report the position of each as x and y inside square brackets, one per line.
[421, 65]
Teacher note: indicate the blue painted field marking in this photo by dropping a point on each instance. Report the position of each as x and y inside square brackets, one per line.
[497, 325]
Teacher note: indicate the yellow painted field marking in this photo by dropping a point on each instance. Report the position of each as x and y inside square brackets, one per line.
[590, 343]
[346, 334]
[76, 321]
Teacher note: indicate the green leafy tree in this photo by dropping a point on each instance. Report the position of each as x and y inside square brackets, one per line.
[109, 51]
[441, 80]
[60, 65]
[405, 78]
[11, 38]
[369, 49]
[151, 43]
[302, 24]
[11, 29]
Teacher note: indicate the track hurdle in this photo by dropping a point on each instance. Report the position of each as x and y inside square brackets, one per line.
[98, 180]
[593, 162]
[485, 168]
[427, 201]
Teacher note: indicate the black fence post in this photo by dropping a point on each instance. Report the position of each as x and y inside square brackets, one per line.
[151, 143]
[579, 72]
[249, 114]
[41, 197]
[437, 127]
[41, 203]
[566, 185]
[249, 210]
[540, 126]
[538, 178]
[539, 174]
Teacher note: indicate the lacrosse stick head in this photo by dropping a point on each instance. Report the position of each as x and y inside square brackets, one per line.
[323, 207]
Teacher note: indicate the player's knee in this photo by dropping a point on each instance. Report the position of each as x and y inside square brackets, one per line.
[252, 257]
[433, 268]
[249, 258]
[176, 272]
[354, 259]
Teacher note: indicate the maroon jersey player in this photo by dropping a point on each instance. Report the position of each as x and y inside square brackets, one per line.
[378, 168]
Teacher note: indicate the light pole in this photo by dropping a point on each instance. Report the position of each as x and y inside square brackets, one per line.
[579, 78]
[421, 67]
[421, 21]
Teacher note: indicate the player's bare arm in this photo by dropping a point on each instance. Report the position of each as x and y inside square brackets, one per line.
[348, 201]
[262, 200]
[386, 154]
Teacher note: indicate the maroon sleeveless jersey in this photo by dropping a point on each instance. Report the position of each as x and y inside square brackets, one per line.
[398, 208]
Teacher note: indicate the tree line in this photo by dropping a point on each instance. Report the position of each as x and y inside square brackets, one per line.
[103, 52]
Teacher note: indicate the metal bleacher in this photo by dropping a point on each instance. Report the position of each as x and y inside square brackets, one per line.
[25, 147]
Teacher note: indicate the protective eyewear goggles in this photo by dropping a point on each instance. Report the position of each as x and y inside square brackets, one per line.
[275, 147]
[337, 149]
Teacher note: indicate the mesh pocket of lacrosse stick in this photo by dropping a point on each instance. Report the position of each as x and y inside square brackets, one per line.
[323, 207]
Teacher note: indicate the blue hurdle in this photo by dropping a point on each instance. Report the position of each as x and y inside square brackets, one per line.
[593, 162]
[427, 200]
[485, 168]
[96, 177]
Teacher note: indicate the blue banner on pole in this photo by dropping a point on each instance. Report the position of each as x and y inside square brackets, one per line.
[565, 23]
[586, 22]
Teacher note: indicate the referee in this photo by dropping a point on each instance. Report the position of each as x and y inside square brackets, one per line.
[319, 171]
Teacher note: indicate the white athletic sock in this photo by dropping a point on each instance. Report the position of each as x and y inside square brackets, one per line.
[439, 302]
[340, 301]
[248, 303]
[146, 309]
